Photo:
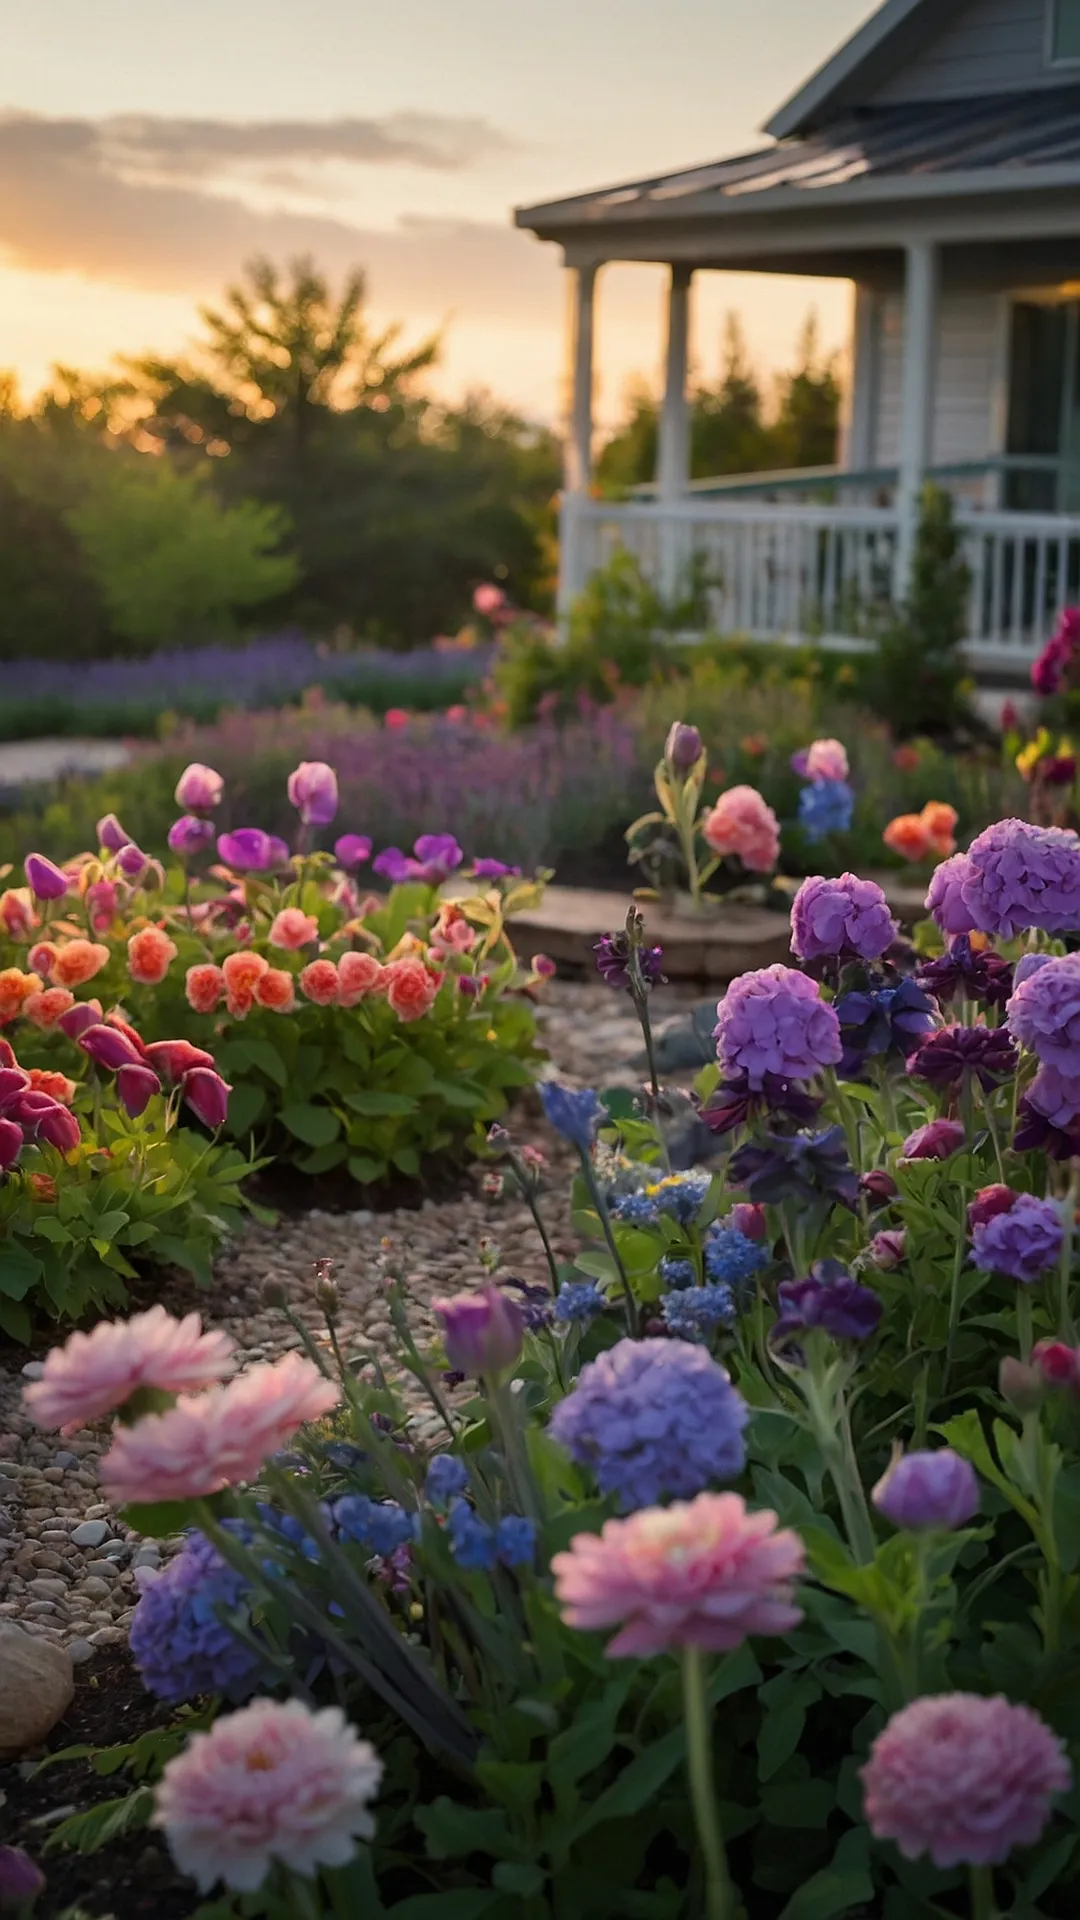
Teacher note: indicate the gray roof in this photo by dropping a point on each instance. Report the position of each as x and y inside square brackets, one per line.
[1013, 134]
[890, 34]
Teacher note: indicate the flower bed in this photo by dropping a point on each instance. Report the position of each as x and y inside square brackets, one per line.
[740, 1574]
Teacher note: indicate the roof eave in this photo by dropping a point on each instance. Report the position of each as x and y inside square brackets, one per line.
[806, 104]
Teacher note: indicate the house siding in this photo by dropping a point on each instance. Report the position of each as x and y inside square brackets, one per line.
[995, 46]
[966, 409]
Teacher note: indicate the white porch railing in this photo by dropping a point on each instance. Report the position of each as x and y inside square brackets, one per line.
[780, 572]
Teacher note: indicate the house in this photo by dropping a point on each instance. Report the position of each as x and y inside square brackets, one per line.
[934, 161]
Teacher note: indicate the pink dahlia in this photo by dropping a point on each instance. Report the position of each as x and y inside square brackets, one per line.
[95, 1373]
[273, 1782]
[701, 1573]
[742, 823]
[212, 1440]
[964, 1779]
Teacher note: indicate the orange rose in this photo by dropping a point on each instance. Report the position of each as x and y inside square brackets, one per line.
[77, 961]
[44, 1009]
[358, 975]
[940, 823]
[242, 973]
[907, 835]
[42, 1185]
[410, 988]
[204, 987]
[16, 911]
[149, 954]
[15, 989]
[56, 1084]
[275, 989]
[319, 982]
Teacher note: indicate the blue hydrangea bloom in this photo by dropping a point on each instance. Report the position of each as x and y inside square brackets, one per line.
[380, 1525]
[576, 1115]
[653, 1419]
[515, 1541]
[579, 1300]
[637, 1208]
[696, 1312]
[731, 1257]
[825, 806]
[179, 1642]
[472, 1541]
[446, 1476]
[290, 1528]
[681, 1196]
[677, 1273]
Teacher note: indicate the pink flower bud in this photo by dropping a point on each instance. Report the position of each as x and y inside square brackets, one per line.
[352, 850]
[46, 881]
[988, 1203]
[55, 1125]
[887, 1250]
[936, 1141]
[749, 1220]
[199, 789]
[136, 1086]
[313, 791]
[207, 1094]
[1058, 1364]
[542, 965]
[878, 1185]
[173, 1058]
[189, 835]
[132, 861]
[922, 1492]
[111, 835]
[482, 1331]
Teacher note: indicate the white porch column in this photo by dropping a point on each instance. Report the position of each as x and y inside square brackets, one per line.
[916, 396]
[857, 442]
[673, 441]
[578, 461]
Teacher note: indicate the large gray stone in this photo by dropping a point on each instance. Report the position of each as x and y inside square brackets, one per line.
[90, 1533]
[36, 1686]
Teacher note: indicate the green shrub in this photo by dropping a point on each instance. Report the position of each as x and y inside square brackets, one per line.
[919, 681]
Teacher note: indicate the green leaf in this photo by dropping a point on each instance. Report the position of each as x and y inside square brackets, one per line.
[589, 1738]
[364, 1169]
[315, 1126]
[19, 1269]
[247, 1104]
[15, 1322]
[50, 1228]
[160, 1517]
[465, 1903]
[635, 1785]
[452, 1831]
[323, 1159]
[100, 1825]
[374, 1102]
[845, 1883]
[264, 1055]
[518, 1876]
[786, 1700]
[513, 1783]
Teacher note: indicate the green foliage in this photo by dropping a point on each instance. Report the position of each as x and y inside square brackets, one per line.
[167, 558]
[919, 680]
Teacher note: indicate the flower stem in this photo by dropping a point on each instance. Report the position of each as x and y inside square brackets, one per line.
[600, 1204]
[983, 1905]
[1066, 1325]
[719, 1893]
[1024, 1321]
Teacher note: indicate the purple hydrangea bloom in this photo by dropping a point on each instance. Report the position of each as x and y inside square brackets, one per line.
[579, 1300]
[968, 973]
[946, 901]
[653, 1420]
[381, 1525]
[881, 1020]
[1036, 1134]
[1023, 1243]
[1022, 876]
[775, 1021]
[826, 806]
[830, 1299]
[732, 1103]
[1028, 964]
[845, 919]
[924, 1492]
[180, 1643]
[801, 1166]
[446, 1476]
[1044, 1013]
[943, 1058]
[575, 1113]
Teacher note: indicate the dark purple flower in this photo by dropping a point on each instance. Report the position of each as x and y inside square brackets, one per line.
[136, 1085]
[351, 850]
[988, 1203]
[928, 1492]
[682, 749]
[482, 1331]
[878, 1186]
[21, 1880]
[830, 1299]
[938, 1140]
[800, 1166]
[536, 1308]
[1023, 1243]
[775, 1021]
[189, 835]
[733, 1103]
[881, 1020]
[493, 870]
[109, 1048]
[845, 919]
[943, 1058]
[1036, 1134]
[966, 973]
[612, 952]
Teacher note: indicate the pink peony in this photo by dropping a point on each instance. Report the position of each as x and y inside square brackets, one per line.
[963, 1778]
[826, 760]
[292, 928]
[702, 1573]
[488, 599]
[741, 823]
[94, 1373]
[216, 1439]
[273, 1782]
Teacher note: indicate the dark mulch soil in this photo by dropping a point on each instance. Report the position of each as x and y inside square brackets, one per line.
[123, 1882]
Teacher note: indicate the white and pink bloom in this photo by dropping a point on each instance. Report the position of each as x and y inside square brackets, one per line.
[199, 789]
[96, 1373]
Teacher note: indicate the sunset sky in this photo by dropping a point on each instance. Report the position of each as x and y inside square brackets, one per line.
[145, 151]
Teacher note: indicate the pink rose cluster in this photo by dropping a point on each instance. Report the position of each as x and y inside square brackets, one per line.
[199, 1435]
[1051, 669]
[742, 824]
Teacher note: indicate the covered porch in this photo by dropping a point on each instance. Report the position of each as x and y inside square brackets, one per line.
[965, 369]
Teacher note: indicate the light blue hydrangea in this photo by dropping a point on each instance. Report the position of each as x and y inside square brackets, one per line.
[825, 806]
[732, 1258]
[696, 1313]
[446, 1476]
[515, 1541]
[677, 1273]
[579, 1300]
[381, 1525]
[681, 1196]
[636, 1208]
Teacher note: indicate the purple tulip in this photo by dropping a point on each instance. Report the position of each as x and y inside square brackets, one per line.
[828, 1298]
[493, 870]
[313, 791]
[248, 849]
[352, 850]
[923, 1492]
[437, 854]
[21, 1880]
[132, 861]
[109, 1048]
[682, 749]
[84, 1014]
[279, 851]
[936, 1141]
[189, 835]
[45, 880]
[199, 789]
[136, 1085]
[392, 865]
[207, 1094]
[482, 1332]
[11, 1145]
[56, 1125]
[111, 835]
[13, 1084]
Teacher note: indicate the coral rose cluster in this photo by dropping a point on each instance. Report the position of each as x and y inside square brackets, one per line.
[915, 836]
[743, 825]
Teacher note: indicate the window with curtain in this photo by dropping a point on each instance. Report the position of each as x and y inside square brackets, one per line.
[1065, 30]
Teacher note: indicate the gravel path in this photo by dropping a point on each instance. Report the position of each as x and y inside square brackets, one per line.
[66, 1564]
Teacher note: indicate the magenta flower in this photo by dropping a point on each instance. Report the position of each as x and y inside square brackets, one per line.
[313, 791]
[938, 1140]
[749, 1220]
[276, 1782]
[352, 850]
[189, 835]
[845, 919]
[199, 789]
[944, 1058]
[111, 835]
[924, 1492]
[12, 1141]
[482, 1331]
[96, 1373]
[988, 1203]
[964, 1779]
[250, 850]
[775, 1021]
[487, 869]
[1023, 1243]
[109, 1048]
[46, 881]
[703, 1573]
[136, 1085]
[43, 1119]
[173, 1058]
[84, 1014]
[207, 1094]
